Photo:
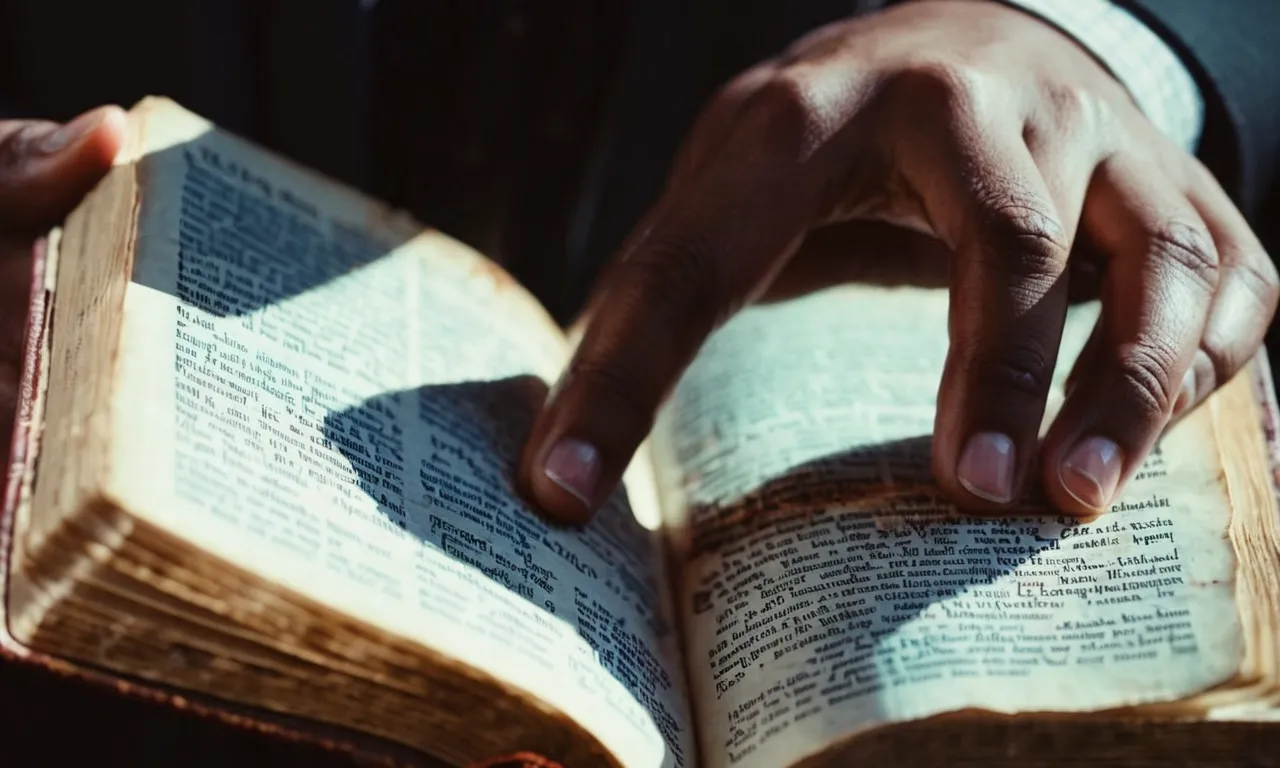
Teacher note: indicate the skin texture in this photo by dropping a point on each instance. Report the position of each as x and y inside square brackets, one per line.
[957, 143]
[43, 175]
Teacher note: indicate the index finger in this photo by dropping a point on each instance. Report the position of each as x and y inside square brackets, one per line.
[1008, 307]
[708, 247]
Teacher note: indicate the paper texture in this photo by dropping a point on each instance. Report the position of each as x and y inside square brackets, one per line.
[336, 407]
[810, 618]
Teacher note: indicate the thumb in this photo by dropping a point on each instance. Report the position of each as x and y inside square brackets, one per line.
[46, 168]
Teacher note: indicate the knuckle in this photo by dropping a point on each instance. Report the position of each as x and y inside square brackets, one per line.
[1023, 235]
[953, 85]
[1259, 276]
[1230, 345]
[1070, 103]
[1022, 369]
[933, 77]
[1145, 380]
[789, 90]
[1076, 108]
[1187, 248]
[789, 113]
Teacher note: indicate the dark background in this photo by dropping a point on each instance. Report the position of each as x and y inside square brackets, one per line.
[537, 132]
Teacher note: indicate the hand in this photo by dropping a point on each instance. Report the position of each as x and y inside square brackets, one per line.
[966, 130]
[45, 169]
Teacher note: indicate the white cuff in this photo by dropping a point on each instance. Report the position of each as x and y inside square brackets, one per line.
[1154, 75]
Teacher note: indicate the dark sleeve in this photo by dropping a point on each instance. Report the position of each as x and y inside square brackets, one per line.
[1233, 49]
[676, 54]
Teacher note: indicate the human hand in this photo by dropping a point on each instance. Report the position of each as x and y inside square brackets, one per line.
[45, 169]
[964, 135]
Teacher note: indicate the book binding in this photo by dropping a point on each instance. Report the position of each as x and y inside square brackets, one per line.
[23, 449]
[363, 749]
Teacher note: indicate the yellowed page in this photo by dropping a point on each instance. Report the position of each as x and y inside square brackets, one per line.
[321, 401]
[811, 615]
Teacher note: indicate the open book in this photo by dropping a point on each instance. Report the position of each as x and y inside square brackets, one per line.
[267, 464]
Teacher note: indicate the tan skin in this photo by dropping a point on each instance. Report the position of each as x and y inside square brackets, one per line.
[966, 140]
[44, 173]
[941, 140]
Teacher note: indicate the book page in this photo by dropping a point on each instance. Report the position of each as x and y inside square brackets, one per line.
[829, 587]
[321, 395]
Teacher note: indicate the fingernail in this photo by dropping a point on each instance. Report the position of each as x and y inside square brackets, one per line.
[1091, 471]
[66, 135]
[574, 466]
[1187, 394]
[986, 467]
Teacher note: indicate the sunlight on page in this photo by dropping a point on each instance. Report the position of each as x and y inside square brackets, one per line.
[343, 417]
[831, 588]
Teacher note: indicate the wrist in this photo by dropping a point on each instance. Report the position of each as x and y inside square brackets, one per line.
[1135, 56]
[1155, 78]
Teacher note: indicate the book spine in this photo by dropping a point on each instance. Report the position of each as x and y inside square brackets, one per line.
[18, 458]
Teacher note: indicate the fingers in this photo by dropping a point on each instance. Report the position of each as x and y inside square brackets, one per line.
[656, 310]
[46, 168]
[1008, 305]
[1066, 144]
[707, 138]
[1245, 302]
[709, 247]
[1157, 291]
[716, 121]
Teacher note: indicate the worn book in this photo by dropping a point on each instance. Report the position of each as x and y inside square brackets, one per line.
[264, 465]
